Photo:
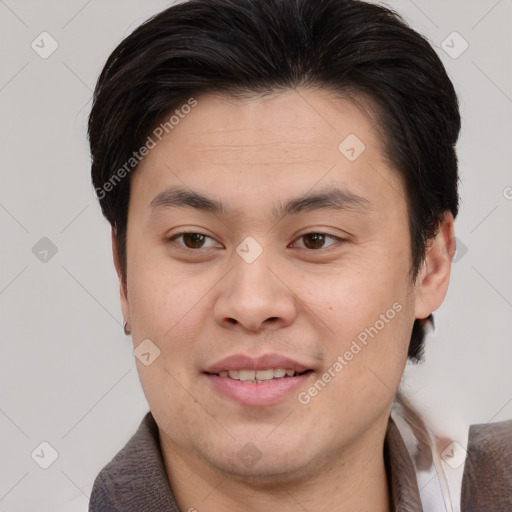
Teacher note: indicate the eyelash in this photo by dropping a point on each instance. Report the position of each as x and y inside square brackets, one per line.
[326, 235]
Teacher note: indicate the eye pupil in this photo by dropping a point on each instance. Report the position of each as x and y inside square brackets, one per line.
[317, 240]
[196, 239]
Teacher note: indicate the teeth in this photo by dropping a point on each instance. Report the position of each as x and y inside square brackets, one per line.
[257, 376]
[265, 374]
[245, 374]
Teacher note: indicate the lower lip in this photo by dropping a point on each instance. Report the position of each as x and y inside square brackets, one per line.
[258, 393]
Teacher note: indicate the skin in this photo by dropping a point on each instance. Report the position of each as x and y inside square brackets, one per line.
[303, 299]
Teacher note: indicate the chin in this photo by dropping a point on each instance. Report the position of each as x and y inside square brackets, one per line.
[266, 474]
[262, 461]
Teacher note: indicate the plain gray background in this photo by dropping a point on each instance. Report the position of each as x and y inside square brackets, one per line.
[68, 375]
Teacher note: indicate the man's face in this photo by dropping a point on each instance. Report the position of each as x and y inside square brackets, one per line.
[270, 282]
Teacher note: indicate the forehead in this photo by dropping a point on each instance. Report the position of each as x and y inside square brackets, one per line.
[268, 145]
[305, 123]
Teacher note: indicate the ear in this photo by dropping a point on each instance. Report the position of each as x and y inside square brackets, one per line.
[123, 292]
[434, 275]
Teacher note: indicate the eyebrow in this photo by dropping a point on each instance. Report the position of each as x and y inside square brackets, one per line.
[329, 198]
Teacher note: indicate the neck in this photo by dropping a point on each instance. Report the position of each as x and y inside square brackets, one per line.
[353, 479]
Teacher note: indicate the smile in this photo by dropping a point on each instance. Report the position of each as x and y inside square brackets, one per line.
[258, 375]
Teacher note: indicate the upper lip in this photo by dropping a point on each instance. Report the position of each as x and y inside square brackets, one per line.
[263, 362]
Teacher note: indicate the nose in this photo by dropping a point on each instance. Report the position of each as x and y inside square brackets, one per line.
[255, 296]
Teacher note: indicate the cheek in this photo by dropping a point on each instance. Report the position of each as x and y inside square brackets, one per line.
[369, 316]
[353, 295]
[163, 296]
[364, 366]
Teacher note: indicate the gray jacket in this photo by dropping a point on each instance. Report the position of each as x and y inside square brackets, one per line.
[136, 480]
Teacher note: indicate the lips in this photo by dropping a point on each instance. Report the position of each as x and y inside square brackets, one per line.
[265, 362]
[259, 381]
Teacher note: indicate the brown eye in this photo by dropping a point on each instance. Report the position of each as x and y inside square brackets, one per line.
[317, 240]
[191, 240]
[314, 240]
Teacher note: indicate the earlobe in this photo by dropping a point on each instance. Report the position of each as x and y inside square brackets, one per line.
[434, 275]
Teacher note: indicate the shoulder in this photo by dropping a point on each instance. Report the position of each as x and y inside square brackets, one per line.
[135, 477]
[487, 480]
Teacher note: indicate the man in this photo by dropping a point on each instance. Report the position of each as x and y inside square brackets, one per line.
[281, 181]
